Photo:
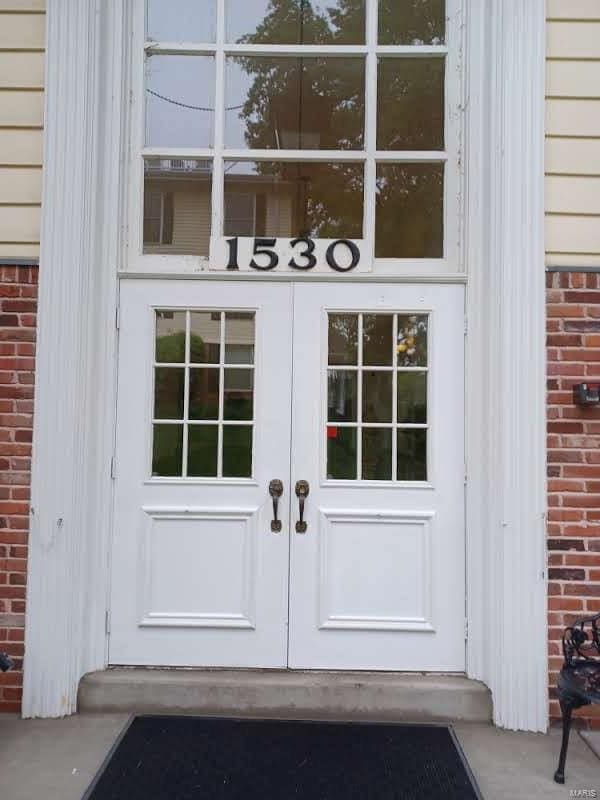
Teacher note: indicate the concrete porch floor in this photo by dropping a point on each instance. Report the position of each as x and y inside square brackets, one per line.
[56, 759]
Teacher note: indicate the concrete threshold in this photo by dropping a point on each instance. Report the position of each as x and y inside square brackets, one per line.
[290, 694]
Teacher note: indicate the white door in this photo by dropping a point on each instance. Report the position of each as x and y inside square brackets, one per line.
[377, 580]
[374, 426]
[198, 577]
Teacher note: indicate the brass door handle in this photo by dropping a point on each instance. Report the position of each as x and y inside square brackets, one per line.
[302, 490]
[275, 490]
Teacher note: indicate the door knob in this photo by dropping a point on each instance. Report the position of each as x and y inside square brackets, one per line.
[275, 490]
[302, 490]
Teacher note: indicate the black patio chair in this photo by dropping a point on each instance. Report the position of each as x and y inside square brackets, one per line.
[579, 679]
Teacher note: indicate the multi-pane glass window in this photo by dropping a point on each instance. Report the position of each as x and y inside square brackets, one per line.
[377, 374]
[203, 394]
[298, 118]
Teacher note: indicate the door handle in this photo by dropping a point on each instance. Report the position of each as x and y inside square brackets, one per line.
[302, 490]
[275, 490]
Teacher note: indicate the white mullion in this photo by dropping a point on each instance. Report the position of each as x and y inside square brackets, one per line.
[206, 153]
[307, 50]
[370, 176]
[186, 396]
[395, 400]
[359, 382]
[217, 201]
[412, 50]
[315, 50]
[179, 48]
[221, 397]
[401, 156]
[294, 155]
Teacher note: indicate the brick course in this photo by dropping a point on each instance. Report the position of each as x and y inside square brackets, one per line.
[573, 342]
[18, 303]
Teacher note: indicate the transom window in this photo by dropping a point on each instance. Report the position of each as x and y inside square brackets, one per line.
[287, 119]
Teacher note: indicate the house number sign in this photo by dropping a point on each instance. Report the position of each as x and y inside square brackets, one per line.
[303, 254]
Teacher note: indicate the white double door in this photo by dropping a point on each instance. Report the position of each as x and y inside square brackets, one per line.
[355, 389]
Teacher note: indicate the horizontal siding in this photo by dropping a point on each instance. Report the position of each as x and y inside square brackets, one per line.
[20, 31]
[573, 133]
[569, 194]
[572, 234]
[569, 79]
[566, 156]
[20, 185]
[20, 224]
[572, 10]
[574, 39]
[22, 39]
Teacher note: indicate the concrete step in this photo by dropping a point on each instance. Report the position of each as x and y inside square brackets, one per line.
[289, 694]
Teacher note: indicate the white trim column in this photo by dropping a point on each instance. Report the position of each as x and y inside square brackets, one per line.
[506, 495]
[74, 392]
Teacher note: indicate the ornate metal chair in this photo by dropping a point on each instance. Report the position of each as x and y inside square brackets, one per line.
[579, 680]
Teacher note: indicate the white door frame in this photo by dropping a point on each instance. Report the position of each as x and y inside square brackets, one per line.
[82, 220]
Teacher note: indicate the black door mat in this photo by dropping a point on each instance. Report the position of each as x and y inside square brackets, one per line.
[188, 758]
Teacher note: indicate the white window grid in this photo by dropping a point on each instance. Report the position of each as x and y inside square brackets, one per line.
[394, 369]
[451, 51]
[187, 365]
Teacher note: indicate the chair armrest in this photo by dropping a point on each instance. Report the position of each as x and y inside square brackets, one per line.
[581, 640]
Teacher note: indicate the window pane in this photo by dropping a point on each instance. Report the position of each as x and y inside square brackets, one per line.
[205, 336]
[202, 451]
[295, 103]
[412, 397]
[170, 336]
[239, 337]
[410, 104]
[411, 21]
[294, 22]
[239, 391]
[204, 393]
[377, 454]
[177, 206]
[341, 452]
[181, 21]
[412, 340]
[377, 396]
[168, 392]
[343, 339]
[303, 199]
[341, 396]
[412, 455]
[167, 449]
[378, 339]
[237, 451]
[409, 211]
[180, 101]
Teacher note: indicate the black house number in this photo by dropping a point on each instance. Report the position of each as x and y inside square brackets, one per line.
[303, 259]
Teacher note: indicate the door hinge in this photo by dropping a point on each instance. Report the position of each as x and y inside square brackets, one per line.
[107, 623]
[113, 468]
[118, 317]
[466, 629]
[466, 326]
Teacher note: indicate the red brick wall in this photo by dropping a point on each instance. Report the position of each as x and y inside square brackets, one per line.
[18, 302]
[573, 327]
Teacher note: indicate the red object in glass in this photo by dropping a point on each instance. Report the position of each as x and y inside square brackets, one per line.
[332, 431]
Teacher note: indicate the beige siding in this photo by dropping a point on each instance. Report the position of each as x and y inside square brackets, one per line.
[22, 24]
[573, 133]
